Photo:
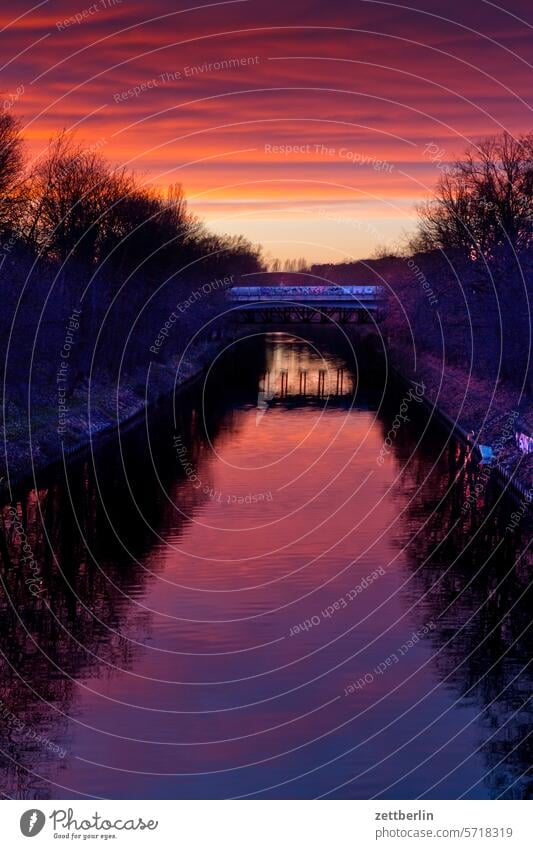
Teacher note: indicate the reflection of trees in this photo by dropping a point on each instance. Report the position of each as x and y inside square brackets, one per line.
[79, 627]
[460, 559]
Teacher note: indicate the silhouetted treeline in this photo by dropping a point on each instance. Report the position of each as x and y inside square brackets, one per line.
[469, 282]
[464, 285]
[78, 233]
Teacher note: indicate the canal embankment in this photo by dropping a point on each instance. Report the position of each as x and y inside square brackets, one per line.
[476, 411]
[492, 419]
[53, 427]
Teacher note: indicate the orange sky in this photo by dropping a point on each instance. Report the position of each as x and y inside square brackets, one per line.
[367, 98]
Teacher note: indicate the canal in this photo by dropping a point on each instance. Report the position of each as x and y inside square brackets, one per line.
[277, 585]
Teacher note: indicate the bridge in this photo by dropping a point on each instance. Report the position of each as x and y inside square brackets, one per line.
[307, 304]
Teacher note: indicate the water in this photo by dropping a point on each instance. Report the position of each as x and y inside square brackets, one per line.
[250, 596]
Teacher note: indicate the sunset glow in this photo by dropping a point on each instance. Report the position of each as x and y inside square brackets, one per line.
[313, 128]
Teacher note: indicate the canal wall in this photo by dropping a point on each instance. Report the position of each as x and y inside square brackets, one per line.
[482, 415]
[91, 413]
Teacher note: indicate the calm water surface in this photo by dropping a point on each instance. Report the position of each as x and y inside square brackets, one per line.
[248, 595]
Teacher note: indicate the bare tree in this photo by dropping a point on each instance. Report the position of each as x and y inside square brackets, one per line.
[12, 178]
[484, 203]
[482, 220]
[74, 193]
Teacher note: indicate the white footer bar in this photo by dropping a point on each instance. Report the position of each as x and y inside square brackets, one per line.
[267, 824]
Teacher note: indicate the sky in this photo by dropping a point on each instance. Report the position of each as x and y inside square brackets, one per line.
[314, 128]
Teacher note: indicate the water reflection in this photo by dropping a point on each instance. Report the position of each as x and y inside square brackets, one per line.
[473, 576]
[161, 658]
[296, 370]
[84, 532]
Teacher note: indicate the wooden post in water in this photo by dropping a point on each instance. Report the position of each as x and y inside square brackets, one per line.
[340, 381]
[284, 382]
[321, 382]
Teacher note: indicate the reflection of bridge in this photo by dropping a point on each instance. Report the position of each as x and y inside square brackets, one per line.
[306, 304]
[303, 383]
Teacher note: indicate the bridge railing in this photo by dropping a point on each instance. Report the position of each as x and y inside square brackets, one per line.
[304, 294]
